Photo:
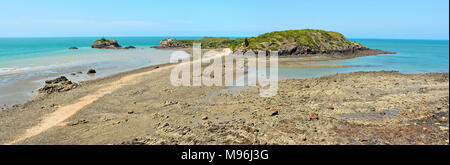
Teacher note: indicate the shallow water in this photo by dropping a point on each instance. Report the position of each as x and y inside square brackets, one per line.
[413, 56]
[26, 62]
[28, 54]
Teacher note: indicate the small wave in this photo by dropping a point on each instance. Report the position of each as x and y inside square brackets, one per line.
[5, 70]
[9, 71]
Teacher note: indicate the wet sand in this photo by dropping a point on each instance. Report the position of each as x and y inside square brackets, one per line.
[355, 108]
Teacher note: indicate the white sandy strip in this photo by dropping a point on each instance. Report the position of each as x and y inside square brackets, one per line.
[63, 113]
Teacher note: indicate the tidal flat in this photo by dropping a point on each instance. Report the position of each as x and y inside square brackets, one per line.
[141, 107]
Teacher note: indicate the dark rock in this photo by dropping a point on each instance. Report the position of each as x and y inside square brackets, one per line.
[130, 47]
[170, 43]
[73, 47]
[79, 122]
[60, 84]
[363, 140]
[423, 90]
[58, 80]
[106, 44]
[91, 71]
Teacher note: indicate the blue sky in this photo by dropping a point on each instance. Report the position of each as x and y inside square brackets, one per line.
[401, 19]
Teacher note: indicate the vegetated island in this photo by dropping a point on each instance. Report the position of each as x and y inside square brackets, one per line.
[306, 42]
[104, 43]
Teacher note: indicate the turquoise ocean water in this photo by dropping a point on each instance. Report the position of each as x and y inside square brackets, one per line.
[26, 62]
[413, 56]
[24, 54]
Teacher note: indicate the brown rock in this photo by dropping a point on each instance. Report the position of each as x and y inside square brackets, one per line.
[273, 112]
[423, 90]
[73, 47]
[363, 139]
[314, 116]
[60, 84]
[404, 113]
[78, 122]
[331, 107]
[130, 47]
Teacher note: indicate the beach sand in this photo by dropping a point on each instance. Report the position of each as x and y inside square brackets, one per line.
[142, 107]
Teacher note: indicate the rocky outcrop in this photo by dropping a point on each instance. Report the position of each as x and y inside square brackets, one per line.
[106, 44]
[306, 42]
[299, 50]
[73, 47]
[60, 84]
[91, 71]
[171, 43]
[130, 47]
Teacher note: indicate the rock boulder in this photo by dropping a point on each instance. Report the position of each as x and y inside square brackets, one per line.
[60, 84]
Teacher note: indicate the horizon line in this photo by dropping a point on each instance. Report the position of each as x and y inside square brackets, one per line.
[143, 36]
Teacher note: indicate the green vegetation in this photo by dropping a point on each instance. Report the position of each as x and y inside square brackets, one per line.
[318, 40]
[313, 39]
[103, 40]
[210, 42]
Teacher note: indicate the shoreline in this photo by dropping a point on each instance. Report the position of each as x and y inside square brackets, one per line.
[106, 63]
[145, 109]
[139, 103]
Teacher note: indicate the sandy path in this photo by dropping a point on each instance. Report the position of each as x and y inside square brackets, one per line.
[63, 113]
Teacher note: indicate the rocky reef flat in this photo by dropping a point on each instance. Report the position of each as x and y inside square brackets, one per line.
[141, 107]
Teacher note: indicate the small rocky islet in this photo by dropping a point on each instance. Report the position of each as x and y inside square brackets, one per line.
[109, 44]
